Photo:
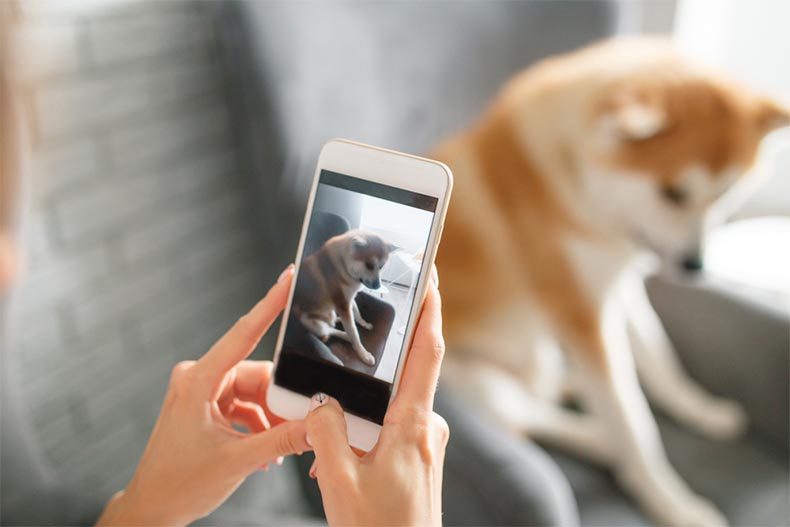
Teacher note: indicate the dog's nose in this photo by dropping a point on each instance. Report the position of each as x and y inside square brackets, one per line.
[691, 263]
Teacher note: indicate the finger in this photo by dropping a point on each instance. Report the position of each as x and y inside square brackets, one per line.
[424, 362]
[326, 431]
[249, 383]
[248, 415]
[285, 439]
[245, 334]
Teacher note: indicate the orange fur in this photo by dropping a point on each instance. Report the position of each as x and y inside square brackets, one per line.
[535, 222]
[505, 235]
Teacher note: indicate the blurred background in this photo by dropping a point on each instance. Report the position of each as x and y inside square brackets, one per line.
[171, 149]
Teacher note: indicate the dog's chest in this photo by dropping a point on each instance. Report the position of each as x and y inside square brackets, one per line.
[349, 292]
[598, 265]
[506, 334]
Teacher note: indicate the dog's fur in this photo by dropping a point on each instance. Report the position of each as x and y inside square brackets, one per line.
[582, 163]
[329, 280]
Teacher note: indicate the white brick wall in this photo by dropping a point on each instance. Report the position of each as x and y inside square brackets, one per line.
[140, 246]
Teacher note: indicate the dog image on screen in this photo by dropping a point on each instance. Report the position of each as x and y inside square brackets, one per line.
[584, 165]
[329, 280]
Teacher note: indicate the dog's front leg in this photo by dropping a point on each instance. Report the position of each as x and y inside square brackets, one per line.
[502, 394]
[358, 316]
[664, 379]
[611, 391]
[346, 318]
[321, 328]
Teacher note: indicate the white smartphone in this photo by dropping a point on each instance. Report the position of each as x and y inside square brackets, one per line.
[373, 223]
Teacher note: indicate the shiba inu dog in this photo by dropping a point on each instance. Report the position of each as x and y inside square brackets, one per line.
[582, 164]
[329, 280]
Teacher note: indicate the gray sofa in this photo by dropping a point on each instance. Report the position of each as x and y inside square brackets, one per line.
[403, 75]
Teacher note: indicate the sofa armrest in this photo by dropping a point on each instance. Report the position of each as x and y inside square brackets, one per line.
[735, 342]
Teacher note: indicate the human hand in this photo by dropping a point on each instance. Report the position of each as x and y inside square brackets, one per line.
[195, 459]
[399, 482]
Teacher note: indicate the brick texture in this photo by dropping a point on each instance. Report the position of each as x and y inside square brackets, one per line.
[140, 245]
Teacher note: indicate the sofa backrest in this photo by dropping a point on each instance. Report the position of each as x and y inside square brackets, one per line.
[396, 74]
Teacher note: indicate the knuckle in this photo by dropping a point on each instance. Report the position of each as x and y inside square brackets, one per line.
[415, 424]
[285, 443]
[343, 477]
[437, 348]
[179, 371]
[426, 431]
[421, 439]
[408, 415]
[433, 346]
[441, 429]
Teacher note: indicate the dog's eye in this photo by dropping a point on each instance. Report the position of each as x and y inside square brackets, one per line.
[674, 195]
[369, 266]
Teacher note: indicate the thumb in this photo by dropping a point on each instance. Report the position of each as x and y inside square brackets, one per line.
[326, 431]
[284, 439]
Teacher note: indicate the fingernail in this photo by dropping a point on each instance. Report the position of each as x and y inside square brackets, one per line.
[279, 460]
[435, 276]
[319, 399]
[285, 273]
[312, 470]
[264, 467]
[307, 440]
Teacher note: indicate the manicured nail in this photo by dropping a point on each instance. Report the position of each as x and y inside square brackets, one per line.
[312, 470]
[285, 272]
[280, 460]
[319, 399]
[264, 467]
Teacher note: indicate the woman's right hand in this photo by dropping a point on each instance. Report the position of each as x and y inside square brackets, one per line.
[399, 482]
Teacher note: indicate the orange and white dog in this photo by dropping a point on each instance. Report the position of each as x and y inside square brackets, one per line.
[583, 163]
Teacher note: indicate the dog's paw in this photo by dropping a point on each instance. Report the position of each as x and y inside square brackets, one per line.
[696, 512]
[721, 419]
[366, 357]
[669, 504]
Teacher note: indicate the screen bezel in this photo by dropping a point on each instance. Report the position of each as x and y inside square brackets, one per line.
[391, 168]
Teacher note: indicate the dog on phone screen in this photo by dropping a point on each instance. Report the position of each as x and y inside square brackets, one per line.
[582, 164]
[329, 280]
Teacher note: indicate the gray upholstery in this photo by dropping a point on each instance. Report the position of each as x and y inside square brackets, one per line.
[735, 342]
[395, 74]
[403, 75]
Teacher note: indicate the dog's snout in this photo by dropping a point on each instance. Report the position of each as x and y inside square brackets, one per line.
[691, 263]
[373, 284]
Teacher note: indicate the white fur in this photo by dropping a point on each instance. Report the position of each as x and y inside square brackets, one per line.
[616, 428]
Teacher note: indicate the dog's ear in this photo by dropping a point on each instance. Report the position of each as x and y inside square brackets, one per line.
[769, 116]
[628, 117]
[391, 248]
[359, 242]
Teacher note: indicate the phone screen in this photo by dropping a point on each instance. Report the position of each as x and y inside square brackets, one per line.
[355, 292]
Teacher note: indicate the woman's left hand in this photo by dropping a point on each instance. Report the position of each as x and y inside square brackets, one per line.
[195, 459]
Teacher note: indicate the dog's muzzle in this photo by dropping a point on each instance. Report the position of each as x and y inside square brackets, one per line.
[691, 263]
[372, 284]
